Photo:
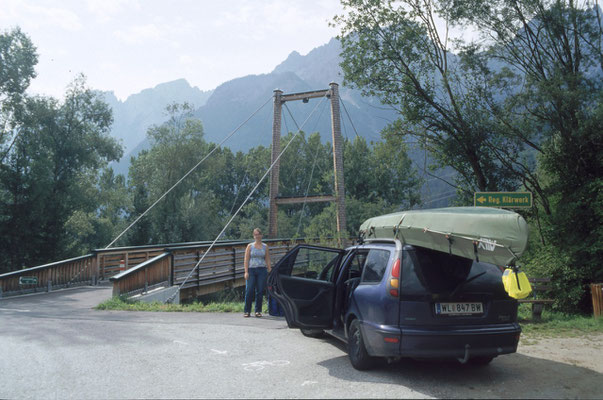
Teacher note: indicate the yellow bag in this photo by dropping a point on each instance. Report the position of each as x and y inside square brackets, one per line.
[516, 283]
[505, 279]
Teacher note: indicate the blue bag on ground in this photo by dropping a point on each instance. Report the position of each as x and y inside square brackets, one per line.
[274, 308]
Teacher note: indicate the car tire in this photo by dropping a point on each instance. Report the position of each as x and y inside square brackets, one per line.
[313, 333]
[480, 361]
[359, 357]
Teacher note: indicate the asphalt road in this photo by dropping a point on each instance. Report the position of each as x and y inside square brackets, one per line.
[55, 346]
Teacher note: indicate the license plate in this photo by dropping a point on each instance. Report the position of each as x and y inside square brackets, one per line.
[459, 308]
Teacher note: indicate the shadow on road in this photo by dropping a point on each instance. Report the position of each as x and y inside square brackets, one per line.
[509, 376]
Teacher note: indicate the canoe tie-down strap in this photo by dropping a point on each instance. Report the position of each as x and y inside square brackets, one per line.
[449, 244]
[475, 250]
[397, 227]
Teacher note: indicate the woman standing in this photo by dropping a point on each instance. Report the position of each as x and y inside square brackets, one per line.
[257, 267]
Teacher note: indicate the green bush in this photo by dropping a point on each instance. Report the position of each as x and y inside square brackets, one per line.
[570, 288]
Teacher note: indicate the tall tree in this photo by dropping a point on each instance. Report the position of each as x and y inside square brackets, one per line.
[91, 228]
[519, 107]
[191, 211]
[18, 58]
[552, 55]
[52, 172]
[397, 52]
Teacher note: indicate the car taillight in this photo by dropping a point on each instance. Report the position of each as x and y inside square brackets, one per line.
[396, 269]
[394, 281]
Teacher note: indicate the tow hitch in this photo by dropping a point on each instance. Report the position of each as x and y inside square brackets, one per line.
[466, 357]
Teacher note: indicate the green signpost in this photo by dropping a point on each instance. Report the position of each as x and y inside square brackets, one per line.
[28, 280]
[503, 199]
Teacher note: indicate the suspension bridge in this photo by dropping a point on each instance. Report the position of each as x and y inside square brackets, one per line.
[185, 270]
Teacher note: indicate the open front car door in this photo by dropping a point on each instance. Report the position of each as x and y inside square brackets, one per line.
[302, 282]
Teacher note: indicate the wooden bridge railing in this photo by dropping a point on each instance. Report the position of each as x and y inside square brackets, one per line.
[144, 267]
[60, 274]
[100, 265]
[223, 264]
[144, 276]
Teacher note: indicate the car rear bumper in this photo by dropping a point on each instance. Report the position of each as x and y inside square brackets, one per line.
[452, 342]
[485, 341]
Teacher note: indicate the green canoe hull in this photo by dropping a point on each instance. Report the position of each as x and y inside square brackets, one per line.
[488, 234]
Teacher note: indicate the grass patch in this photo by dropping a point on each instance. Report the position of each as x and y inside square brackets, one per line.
[557, 324]
[553, 324]
[122, 303]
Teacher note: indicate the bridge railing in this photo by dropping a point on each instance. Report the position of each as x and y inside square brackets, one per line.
[137, 269]
[60, 274]
[224, 264]
[143, 277]
[100, 265]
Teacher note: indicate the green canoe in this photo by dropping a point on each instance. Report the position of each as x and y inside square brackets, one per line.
[487, 234]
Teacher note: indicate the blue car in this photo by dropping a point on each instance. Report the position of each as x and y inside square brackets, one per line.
[386, 300]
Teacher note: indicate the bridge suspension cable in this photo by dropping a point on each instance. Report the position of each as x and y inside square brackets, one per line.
[348, 114]
[188, 173]
[171, 298]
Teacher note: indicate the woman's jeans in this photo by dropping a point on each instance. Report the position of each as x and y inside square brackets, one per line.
[255, 285]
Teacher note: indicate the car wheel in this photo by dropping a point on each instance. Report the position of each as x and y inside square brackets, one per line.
[313, 333]
[359, 357]
[477, 361]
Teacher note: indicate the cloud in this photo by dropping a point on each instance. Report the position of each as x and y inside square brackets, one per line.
[60, 17]
[273, 19]
[139, 34]
[185, 59]
[38, 16]
[106, 9]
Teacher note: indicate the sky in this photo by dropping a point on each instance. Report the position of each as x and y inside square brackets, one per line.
[126, 46]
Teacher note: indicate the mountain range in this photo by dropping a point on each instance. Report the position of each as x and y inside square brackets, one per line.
[223, 109]
[226, 107]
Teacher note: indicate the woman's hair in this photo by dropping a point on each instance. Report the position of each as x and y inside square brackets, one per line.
[258, 230]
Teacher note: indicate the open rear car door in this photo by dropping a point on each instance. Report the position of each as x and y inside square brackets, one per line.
[302, 282]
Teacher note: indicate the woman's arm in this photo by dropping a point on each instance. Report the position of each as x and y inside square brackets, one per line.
[246, 261]
[267, 258]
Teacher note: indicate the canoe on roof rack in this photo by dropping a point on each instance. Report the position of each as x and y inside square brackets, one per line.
[490, 235]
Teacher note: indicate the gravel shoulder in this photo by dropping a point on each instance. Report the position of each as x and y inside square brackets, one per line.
[585, 351]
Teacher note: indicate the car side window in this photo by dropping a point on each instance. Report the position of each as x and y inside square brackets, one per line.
[375, 265]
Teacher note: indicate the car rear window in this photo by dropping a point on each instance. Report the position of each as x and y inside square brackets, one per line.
[426, 272]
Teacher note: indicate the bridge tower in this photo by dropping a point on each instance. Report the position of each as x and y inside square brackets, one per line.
[279, 99]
